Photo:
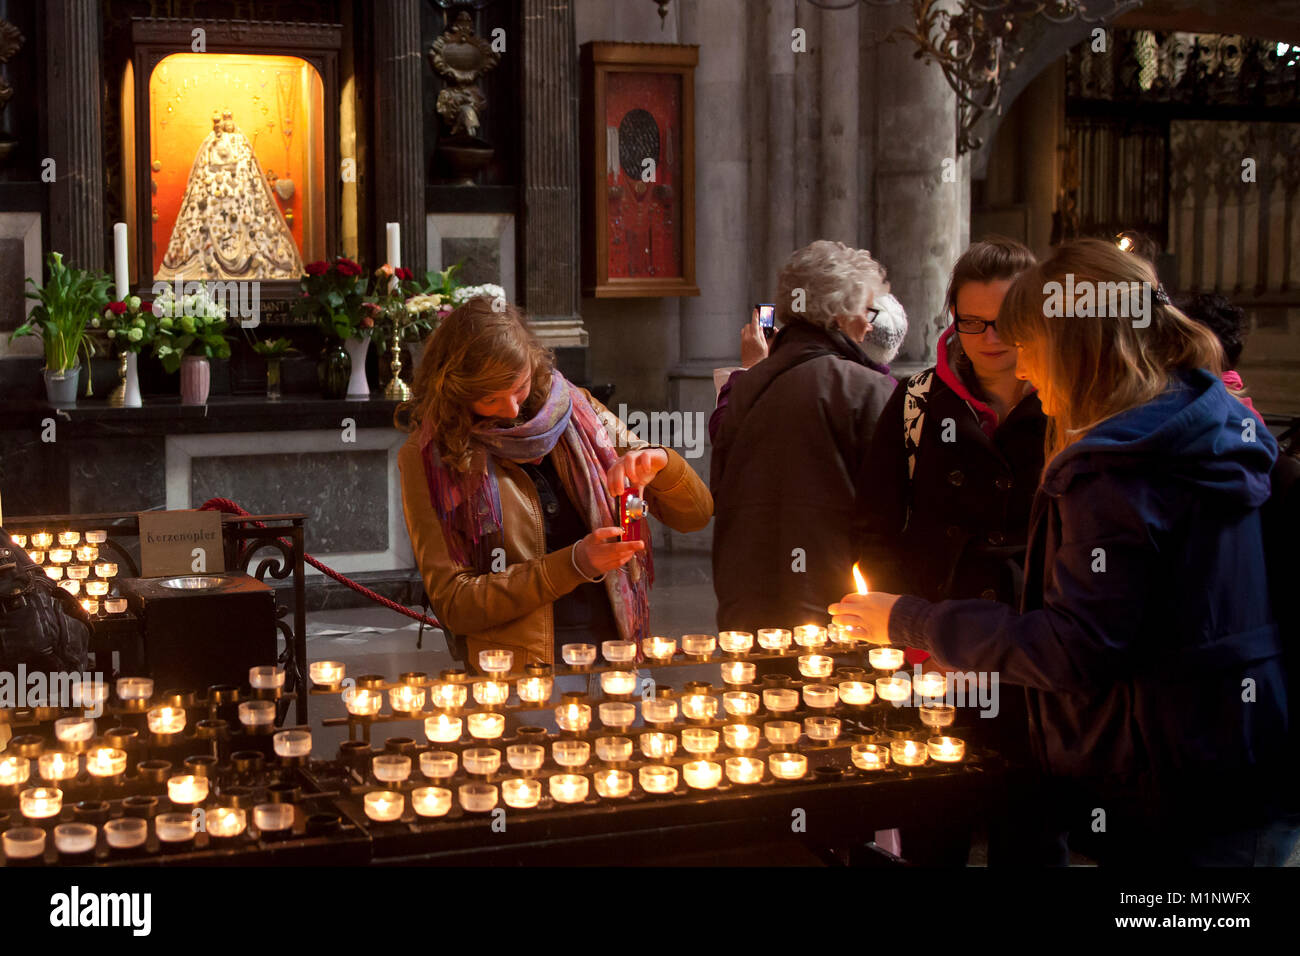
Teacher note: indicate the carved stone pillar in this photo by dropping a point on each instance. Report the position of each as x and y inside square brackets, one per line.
[550, 168]
[73, 41]
[398, 171]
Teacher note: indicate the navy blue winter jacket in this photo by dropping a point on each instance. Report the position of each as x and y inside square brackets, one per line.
[1145, 638]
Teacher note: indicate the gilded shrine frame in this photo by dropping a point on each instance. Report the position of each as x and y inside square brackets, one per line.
[318, 44]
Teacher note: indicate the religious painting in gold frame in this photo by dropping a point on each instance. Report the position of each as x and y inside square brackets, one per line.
[235, 152]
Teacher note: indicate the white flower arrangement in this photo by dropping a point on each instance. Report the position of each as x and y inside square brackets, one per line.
[467, 292]
[195, 305]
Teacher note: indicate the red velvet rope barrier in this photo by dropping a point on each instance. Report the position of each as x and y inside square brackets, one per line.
[226, 506]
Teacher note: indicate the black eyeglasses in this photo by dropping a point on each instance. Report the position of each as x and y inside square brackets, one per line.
[871, 314]
[973, 326]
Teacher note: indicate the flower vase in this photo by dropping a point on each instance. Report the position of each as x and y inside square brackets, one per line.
[196, 379]
[358, 386]
[61, 386]
[127, 393]
[334, 370]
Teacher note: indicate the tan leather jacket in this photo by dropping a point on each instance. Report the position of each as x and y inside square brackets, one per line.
[512, 608]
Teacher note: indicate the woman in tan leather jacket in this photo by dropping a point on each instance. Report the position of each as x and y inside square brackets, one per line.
[509, 485]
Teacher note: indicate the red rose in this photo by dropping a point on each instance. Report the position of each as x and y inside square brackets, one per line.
[146, 307]
[367, 323]
[117, 308]
[404, 274]
[347, 267]
[317, 268]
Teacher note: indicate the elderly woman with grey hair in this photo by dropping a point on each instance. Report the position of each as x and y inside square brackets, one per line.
[790, 439]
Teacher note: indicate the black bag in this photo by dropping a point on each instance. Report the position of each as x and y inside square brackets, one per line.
[41, 625]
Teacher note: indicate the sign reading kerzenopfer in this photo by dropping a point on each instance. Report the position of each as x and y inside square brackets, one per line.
[180, 542]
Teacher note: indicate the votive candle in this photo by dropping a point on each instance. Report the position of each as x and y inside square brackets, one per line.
[617, 714]
[384, 806]
[187, 789]
[930, 685]
[618, 683]
[735, 642]
[96, 537]
[496, 661]
[659, 710]
[24, 843]
[774, 638]
[658, 746]
[613, 784]
[810, 635]
[907, 753]
[568, 788]
[106, 762]
[698, 645]
[55, 766]
[656, 778]
[265, 676]
[326, 673]
[175, 827]
[490, 693]
[481, 761]
[521, 792]
[96, 589]
[618, 652]
[894, 689]
[526, 758]
[14, 770]
[42, 540]
[869, 756]
[78, 572]
[40, 803]
[442, 729]
[699, 706]
[115, 605]
[614, 749]
[738, 673]
[885, 658]
[702, 774]
[741, 736]
[449, 695]
[856, 692]
[824, 729]
[87, 553]
[816, 665]
[946, 749]
[659, 648]
[578, 655]
[820, 696]
[73, 587]
[780, 700]
[431, 801]
[744, 769]
[363, 701]
[69, 538]
[273, 817]
[788, 766]
[105, 569]
[573, 717]
[391, 768]
[72, 730]
[478, 797]
[486, 726]
[292, 743]
[740, 703]
[257, 713]
[225, 822]
[781, 733]
[534, 690]
[90, 605]
[75, 838]
[439, 764]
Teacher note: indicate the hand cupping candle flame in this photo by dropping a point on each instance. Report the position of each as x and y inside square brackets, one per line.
[863, 615]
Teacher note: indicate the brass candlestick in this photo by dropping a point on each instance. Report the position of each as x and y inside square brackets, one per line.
[397, 390]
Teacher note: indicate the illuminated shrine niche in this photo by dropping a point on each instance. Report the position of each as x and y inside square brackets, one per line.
[237, 166]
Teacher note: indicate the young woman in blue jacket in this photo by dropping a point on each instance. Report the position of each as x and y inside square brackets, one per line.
[1144, 640]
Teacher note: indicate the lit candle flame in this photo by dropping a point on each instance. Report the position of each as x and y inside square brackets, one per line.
[859, 581]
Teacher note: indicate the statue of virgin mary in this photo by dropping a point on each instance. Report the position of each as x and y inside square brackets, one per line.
[229, 226]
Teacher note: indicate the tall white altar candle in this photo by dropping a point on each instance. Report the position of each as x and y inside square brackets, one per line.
[394, 244]
[119, 261]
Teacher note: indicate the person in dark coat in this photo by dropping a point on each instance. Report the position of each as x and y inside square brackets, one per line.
[945, 503]
[791, 443]
[1145, 637]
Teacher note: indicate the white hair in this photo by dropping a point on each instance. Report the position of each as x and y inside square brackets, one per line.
[887, 330]
[827, 279]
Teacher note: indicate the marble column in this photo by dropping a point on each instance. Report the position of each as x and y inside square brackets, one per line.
[399, 160]
[551, 199]
[73, 40]
[921, 187]
[780, 142]
[838, 201]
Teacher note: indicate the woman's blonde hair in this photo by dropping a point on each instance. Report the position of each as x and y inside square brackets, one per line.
[475, 352]
[1088, 368]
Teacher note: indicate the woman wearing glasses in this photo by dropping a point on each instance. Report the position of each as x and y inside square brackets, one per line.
[947, 489]
[957, 454]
